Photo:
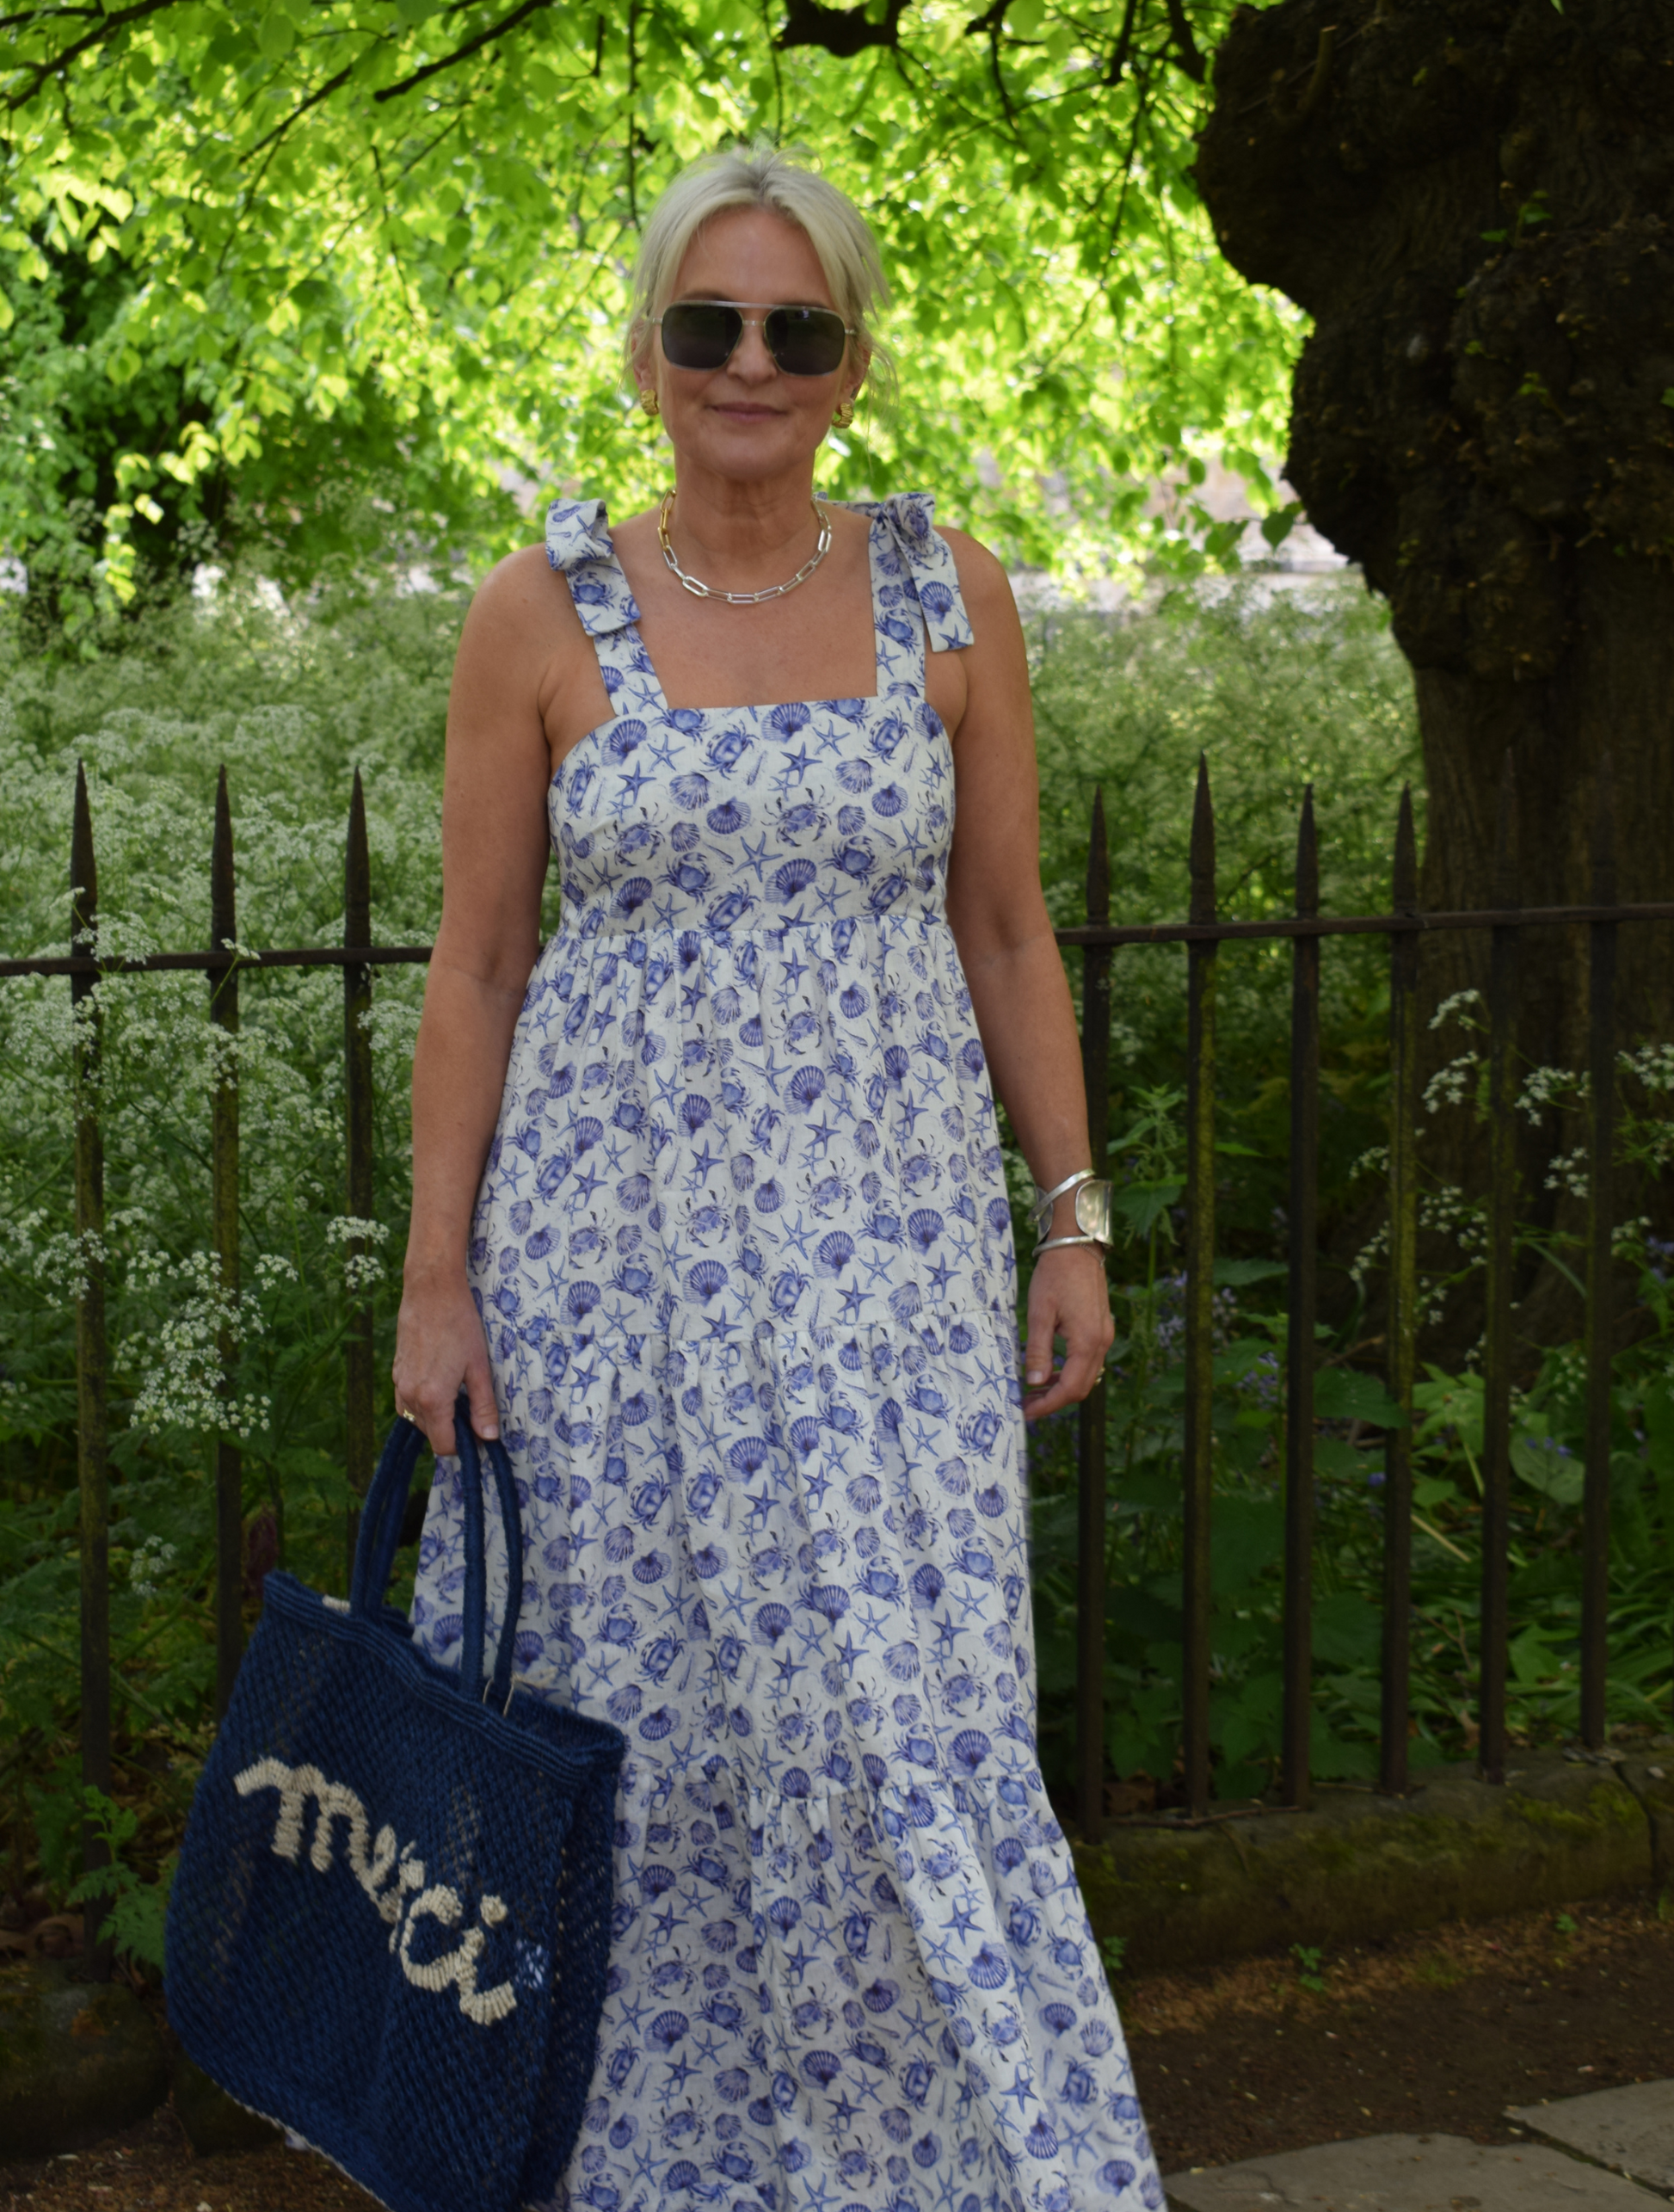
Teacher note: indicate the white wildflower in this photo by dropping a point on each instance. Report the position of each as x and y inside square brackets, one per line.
[1452, 1009]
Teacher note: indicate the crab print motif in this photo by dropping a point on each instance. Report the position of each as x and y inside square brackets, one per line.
[743, 1257]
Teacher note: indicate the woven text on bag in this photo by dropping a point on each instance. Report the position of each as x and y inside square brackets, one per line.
[373, 1867]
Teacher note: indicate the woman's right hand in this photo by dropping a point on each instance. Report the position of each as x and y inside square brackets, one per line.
[440, 1350]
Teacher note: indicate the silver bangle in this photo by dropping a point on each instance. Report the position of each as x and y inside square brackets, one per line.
[1093, 1212]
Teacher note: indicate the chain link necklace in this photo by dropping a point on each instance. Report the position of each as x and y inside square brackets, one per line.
[701, 590]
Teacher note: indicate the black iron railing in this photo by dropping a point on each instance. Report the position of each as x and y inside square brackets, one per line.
[1097, 940]
[1203, 934]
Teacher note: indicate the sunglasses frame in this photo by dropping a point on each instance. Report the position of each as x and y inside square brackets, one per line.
[759, 322]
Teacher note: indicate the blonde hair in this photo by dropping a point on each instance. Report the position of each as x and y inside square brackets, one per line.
[761, 176]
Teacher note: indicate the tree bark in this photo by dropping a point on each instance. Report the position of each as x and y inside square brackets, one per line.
[1472, 199]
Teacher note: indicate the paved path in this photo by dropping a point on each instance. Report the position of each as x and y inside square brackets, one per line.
[1609, 2152]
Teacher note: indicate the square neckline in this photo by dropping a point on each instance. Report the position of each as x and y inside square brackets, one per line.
[875, 529]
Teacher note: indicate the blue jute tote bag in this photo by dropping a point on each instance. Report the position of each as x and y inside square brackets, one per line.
[390, 1924]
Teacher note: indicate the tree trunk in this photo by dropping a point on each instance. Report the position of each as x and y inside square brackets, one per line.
[1471, 199]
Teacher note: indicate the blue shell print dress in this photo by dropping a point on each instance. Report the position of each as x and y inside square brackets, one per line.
[744, 1259]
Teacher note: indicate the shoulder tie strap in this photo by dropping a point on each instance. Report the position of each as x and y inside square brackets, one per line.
[578, 545]
[929, 570]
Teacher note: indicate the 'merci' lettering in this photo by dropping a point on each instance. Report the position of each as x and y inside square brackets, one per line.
[396, 1882]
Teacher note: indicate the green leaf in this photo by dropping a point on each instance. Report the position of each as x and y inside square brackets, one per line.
[1142, 1205]
[1658, 1411]
[1338, 1759]
[277, 35]
[1246, 1536]
[1447, 1401]
[1339, 1462]
[1347, 1631]
[135, 1927]
[1276, 527]
[1345, 1394]
[1237, 1274]
[1548, 1467]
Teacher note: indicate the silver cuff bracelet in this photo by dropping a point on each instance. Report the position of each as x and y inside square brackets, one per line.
[1093, 1212]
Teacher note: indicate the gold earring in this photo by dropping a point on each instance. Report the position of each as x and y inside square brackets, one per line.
[648, 400]
[844, 414]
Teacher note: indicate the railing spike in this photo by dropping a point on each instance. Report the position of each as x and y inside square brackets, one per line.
[83, 869]
[1405, 887]
[1202, 908]
[1603, 834]
[1506, 892]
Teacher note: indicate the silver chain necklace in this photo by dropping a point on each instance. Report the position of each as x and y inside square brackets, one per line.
[700, 590]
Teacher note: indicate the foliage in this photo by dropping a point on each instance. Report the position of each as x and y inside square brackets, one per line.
[1277, 689]
[388, 239]
[1309, 1959]
[1143, 1681]
[134, 1907]
[366, 485]
[290, 707]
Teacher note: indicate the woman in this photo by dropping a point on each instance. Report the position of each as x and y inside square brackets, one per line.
[738, 1285]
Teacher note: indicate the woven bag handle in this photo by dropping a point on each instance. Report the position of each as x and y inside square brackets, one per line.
[380, 1520]
[380, 1535]
[474, 1640]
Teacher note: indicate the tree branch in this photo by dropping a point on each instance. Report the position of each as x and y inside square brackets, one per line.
[32, 15]
[116, 21]
[1187, 52]
[844, 32]
[320, 92]
[463, 51]
[1123, 47]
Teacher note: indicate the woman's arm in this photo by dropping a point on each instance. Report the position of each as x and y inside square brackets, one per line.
[494, 864]
[1017, 987]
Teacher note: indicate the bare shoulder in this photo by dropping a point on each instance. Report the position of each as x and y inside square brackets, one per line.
[521, 588]
[984, 584]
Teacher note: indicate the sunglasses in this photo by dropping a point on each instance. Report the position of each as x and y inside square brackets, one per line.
[702, 334]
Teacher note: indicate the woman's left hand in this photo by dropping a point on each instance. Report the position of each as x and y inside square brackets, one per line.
[1068, 1297]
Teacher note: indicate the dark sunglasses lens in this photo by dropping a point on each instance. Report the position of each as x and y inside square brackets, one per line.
[806, 341]
[697, 336]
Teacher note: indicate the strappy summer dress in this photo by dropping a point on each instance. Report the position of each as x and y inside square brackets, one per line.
[744, 1259]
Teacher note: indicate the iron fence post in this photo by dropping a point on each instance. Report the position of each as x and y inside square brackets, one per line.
[1091, 1470]
[1502, 979]
[1402, 1324]
[1600, 1323]
[92, 1431]
[360, 1441]
[223, 1208]
[1298, 1720]
[1196, 1593]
